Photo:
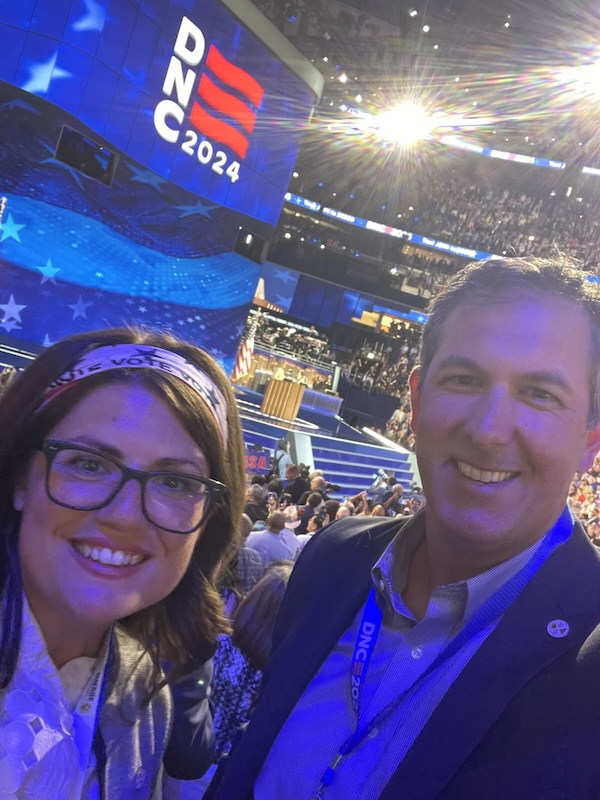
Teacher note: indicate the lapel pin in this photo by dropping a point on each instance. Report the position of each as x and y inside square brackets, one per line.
[558, 628]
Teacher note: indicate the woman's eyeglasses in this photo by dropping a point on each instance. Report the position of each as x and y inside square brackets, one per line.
[85, 480]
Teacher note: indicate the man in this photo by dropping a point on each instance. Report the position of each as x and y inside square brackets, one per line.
[465, 663]
[314, 504]
[272, 543]
[256, 502]
[297, 485]
[281, 458]
[392, 499]
[318, 484]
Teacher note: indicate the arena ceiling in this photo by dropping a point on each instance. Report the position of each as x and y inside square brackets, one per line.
[521, 75]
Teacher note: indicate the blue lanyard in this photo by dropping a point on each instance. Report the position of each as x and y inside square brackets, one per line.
[370, 625]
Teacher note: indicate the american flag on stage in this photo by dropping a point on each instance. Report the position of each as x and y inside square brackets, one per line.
[243, 359]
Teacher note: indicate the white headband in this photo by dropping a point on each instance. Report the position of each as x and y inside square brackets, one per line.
[128, 356]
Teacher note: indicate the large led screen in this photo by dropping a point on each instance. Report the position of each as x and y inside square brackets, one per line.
[181, 86]
[76, 254]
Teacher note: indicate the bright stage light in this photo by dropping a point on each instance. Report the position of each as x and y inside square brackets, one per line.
[583, 80]
[404, 124]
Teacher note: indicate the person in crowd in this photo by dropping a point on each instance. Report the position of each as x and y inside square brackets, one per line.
[460, 652]
[314, 503]
[331, 507]
[285, 500]
[281, 458]
[241, 656]
[269, 543]
[121, 487]
[241, 573]
[296, 485]
[239, 660]
[256, 502]
[392, 500]
[315, 523]
[318, 484]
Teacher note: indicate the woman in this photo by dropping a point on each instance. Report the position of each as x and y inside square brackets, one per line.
[121, 486]
[240, 658]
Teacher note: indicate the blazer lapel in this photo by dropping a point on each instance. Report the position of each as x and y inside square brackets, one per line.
[515, 652]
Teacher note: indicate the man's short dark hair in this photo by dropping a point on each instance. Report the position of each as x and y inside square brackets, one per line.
[507, 280]
[314, 499]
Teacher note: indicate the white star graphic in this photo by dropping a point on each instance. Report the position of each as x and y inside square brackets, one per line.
[145, 176]
[94, 19]
[49, 272]
[47, 341]
[40, 75]
[143, 309]
[10, 229]
[12, 309]
[9, 325]
[79, 308]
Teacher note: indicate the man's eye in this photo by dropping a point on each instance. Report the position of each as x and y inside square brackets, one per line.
[460, 380]
[541, 394]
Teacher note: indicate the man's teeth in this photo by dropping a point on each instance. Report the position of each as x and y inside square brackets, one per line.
[483, 476]
[114, 558]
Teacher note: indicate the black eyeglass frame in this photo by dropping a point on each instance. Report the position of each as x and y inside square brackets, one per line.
[215, 490]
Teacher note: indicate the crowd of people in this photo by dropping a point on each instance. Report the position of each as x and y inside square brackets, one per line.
[458, 209]
[291, 339]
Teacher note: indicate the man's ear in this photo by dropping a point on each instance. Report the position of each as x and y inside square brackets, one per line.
[592, 447]
[415, 398]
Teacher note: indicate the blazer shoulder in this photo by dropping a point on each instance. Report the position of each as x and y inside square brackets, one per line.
[344, 535]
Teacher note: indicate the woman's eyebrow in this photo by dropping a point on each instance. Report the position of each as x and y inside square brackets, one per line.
[160, 463]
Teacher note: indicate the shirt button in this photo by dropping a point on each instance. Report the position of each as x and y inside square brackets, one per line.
[381, 585]
[417, 652]
[373, 733]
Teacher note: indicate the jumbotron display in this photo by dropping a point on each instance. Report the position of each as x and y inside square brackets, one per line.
[143, 147]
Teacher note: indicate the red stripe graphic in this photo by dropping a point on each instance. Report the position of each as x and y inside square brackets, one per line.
[235, 77]
[221, 131]
[226, 103]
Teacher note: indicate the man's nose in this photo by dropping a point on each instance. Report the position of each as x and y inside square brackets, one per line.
[491, 418]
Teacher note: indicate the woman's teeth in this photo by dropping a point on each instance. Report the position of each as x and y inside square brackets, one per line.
[113, 558]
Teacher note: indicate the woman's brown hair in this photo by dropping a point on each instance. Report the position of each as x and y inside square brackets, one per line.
[254, 618]
[182, 628]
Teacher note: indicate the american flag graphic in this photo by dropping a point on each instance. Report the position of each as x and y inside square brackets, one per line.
[244, 354]
[227, 104]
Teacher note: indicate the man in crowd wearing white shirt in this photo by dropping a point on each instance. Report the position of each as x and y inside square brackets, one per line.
[272, 543]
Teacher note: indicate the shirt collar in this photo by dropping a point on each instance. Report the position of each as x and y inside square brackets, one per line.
[474, 591]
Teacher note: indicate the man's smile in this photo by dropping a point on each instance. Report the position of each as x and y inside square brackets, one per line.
[484, 476]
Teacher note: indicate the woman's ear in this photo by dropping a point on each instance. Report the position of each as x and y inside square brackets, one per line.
[20, 490]
[19, 498]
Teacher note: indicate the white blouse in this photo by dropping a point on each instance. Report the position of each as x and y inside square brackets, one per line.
[39, 756]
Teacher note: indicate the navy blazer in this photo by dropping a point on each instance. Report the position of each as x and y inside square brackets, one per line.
[521, 721]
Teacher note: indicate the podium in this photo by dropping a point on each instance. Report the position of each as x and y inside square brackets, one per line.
[282, 399]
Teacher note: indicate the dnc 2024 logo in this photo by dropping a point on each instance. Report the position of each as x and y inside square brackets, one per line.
[223, 88]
